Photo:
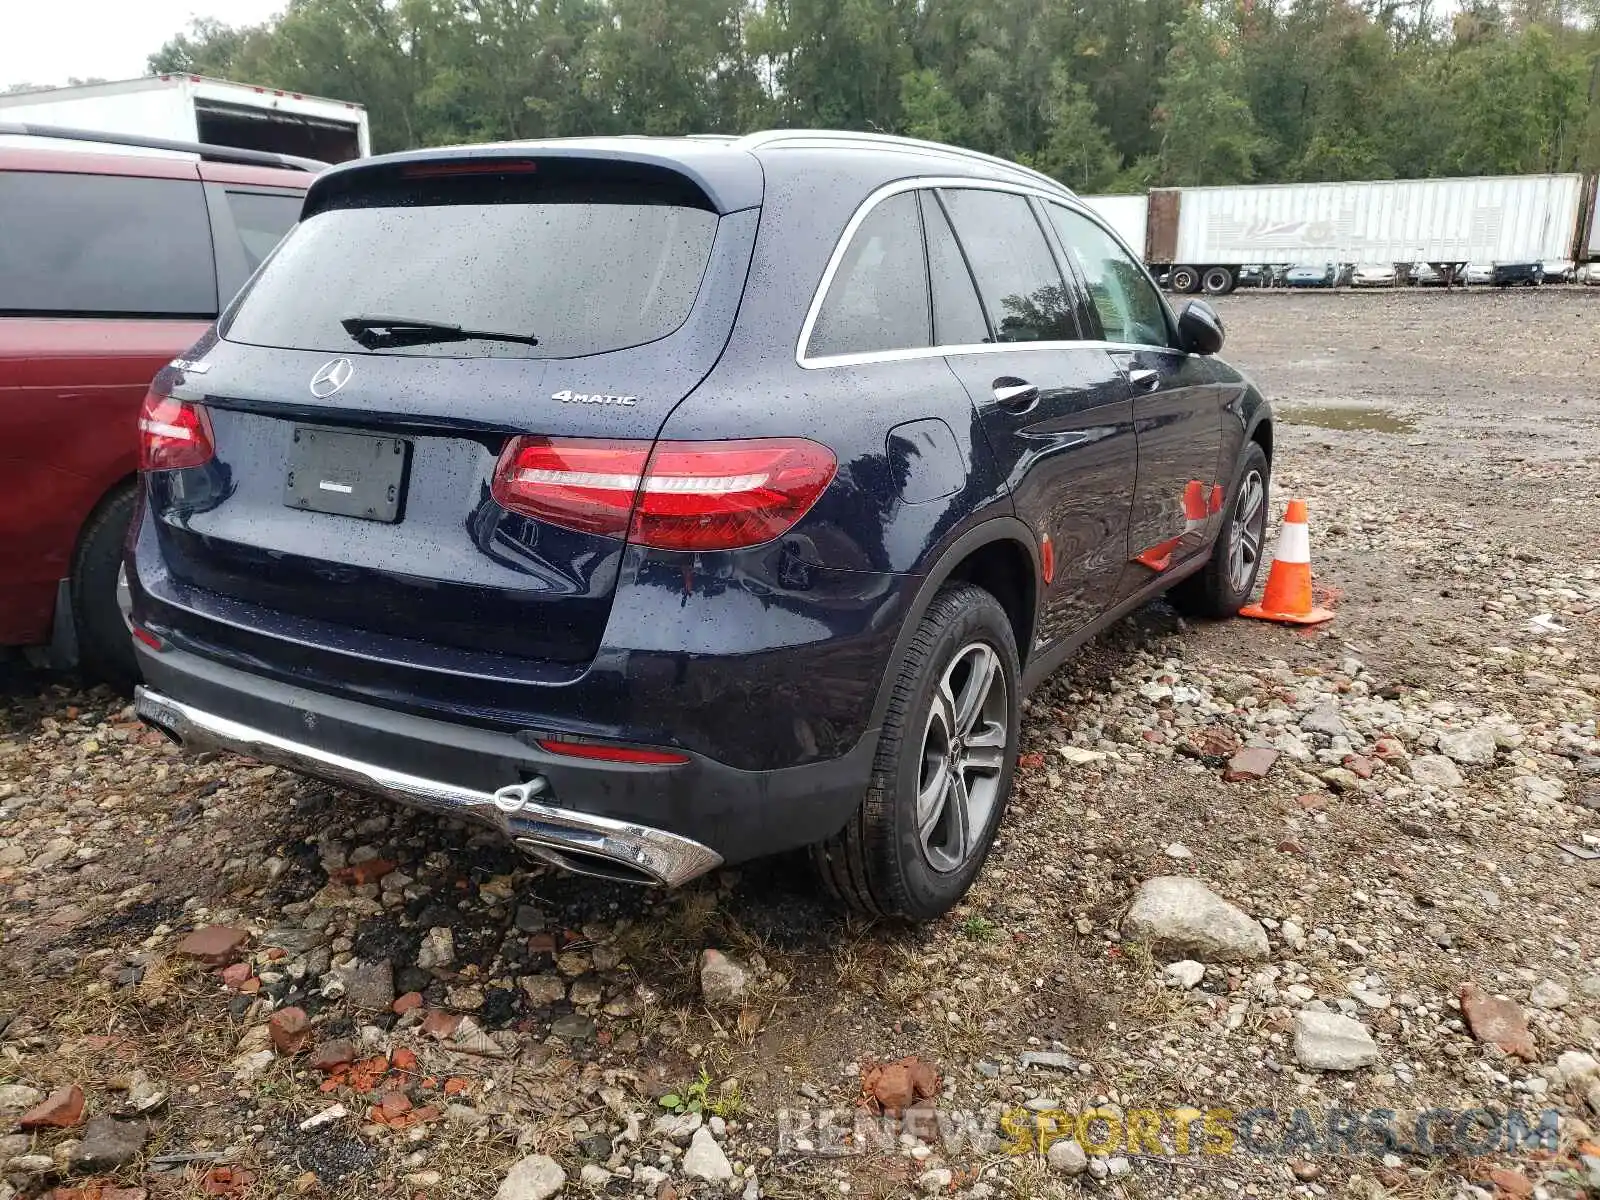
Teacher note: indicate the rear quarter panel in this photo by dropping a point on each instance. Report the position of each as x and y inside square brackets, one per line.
[69, 397]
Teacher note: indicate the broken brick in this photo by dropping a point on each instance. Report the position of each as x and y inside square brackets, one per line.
[1252, 762]
[394, 1104]
[1511, 1183]
[404, 1060]
[404, 1004]
[330, 1056]
[441, 1024]
[291, 1030]
[234, 976]
[214, 945]
[61, 1109]
[1501, 1022]
[363, 873]
[1360, 766]
[1312, 801]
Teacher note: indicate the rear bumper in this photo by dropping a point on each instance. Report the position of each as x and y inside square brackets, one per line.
[643, 823]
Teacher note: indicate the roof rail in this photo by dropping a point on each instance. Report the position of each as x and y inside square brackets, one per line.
[206, 150]
[845, 137]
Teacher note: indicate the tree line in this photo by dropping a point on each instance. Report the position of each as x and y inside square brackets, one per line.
[1106, 95]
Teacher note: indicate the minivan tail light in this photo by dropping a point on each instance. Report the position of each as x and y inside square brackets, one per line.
[173, 434]
[678, 496]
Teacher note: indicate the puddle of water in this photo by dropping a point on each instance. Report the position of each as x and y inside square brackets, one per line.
[1346, 416]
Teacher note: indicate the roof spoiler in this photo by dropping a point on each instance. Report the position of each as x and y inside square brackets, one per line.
[205, 150]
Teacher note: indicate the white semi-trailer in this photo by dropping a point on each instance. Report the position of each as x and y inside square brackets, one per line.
[193, 108]
[1203, 236]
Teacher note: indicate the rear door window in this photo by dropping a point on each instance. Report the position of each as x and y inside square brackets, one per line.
[581, 275]
[261, 219]
[1022, 289]
[104, 245]
[878, 298]
[957, 311]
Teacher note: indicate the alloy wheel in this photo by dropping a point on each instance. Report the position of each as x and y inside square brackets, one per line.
[963, 753]
[1245, 536]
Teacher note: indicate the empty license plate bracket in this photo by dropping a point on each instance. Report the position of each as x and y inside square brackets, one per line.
[347, 474]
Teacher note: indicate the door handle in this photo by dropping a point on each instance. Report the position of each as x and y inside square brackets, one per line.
[1144, 379]
[1014, 393]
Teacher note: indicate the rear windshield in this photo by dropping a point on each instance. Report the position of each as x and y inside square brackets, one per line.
[580, 276]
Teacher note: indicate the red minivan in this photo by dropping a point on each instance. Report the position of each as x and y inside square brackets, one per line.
[111, 265]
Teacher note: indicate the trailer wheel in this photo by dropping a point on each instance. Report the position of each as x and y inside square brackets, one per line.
[1217, 281]
[1185, 280]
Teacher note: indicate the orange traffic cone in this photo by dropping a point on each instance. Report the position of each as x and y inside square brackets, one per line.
[1288, 594]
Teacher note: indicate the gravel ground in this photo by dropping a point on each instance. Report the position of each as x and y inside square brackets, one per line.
[1390, 910]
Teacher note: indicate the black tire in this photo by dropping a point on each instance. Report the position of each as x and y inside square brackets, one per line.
[1217, 281]
[1216, 590]
[1185, 280]
[880, 863]
[105, 648]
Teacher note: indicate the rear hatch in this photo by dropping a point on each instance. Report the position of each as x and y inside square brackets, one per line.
[421, 317]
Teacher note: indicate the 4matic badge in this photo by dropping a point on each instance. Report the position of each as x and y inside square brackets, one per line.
[567, 396]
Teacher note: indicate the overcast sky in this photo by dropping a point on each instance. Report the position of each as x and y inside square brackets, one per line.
[49, 41]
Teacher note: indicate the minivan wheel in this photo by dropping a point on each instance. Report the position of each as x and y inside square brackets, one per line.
[1221, 587]
[105, 647]
[943, 769]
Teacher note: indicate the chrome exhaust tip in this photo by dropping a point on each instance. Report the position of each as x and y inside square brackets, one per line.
[562, 837]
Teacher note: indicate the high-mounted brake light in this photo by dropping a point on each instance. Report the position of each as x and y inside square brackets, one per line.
[469, 166]
[173, 434]
[677, 496]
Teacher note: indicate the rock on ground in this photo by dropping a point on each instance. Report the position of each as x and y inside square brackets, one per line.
[723, 982]
[705, 1160]
[1468, 745]
[1067, 1157]
[1187, 973]
[1332, 1042]
[1182, 918]
[1435, 770]
[536, 1177]
[107, 1144]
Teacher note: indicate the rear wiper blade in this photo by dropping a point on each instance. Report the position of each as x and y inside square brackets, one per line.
[374, 332]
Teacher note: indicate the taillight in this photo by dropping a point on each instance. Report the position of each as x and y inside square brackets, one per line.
[173, 434]
[680, 496]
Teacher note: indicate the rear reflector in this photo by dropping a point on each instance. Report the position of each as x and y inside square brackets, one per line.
[602, 752]
[173, 434]
[680, 496]
[148, 638]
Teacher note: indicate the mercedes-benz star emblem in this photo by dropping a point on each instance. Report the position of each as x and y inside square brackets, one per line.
[333, 376]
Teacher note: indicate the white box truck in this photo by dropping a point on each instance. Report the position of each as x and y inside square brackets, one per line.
[193, 108]
[1203, 236]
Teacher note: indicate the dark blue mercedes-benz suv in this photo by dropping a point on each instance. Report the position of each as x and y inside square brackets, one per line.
[671, 502]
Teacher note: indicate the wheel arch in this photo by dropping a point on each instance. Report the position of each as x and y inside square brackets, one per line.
[1002, 557]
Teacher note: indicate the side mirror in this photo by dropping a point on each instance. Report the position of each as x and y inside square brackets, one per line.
[1199, 328]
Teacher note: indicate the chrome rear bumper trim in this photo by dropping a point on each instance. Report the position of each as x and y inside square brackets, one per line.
[572, 838]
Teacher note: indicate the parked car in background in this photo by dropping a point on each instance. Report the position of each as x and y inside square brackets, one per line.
[111, 264]
[1589, 274]
[758, 546]
[1373, 275]
[1478, 273]
[1425, 275]
[1520, 274]
[1557, 270]
[1311, 277]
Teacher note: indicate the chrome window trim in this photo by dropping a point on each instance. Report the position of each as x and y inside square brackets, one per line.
[813, 362]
